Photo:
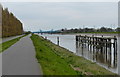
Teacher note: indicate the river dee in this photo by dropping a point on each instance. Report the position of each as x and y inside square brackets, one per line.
[66, 41]
[69, 42]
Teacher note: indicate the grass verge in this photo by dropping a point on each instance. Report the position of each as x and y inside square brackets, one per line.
[56, 60]
[7, 44]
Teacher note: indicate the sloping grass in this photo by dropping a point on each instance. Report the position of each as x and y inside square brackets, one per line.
[52, 64]
[56, 60]
[9, 43]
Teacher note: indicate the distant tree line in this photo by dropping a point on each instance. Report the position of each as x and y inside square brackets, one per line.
[11, 26]
[89, 30]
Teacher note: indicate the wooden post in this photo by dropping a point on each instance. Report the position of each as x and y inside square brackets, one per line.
[96, 43]
[106, 50]
[93, 41]
[115, 50]
[76, 38]
[104, 45]
[45, 37]
[109, 40]
[88, 43]
[85, 40]
[57, 40]
[101, 45]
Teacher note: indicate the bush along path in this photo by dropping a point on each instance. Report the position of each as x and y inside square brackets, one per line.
[56, 60]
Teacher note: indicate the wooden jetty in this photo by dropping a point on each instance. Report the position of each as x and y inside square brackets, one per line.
[101, 44]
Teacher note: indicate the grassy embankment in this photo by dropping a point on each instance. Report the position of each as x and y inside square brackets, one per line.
[56, 60]
[9, 43]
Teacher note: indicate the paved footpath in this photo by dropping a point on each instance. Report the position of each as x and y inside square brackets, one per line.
[8, 38]
[20, 59]
[0, 64]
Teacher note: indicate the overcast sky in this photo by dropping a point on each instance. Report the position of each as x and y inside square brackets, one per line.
[57, 15]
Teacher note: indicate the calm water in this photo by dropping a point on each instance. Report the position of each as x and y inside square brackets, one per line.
[69, 42]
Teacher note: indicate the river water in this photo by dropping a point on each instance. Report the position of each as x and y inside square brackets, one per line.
[69, 42]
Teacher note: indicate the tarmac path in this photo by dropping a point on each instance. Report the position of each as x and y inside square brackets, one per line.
[20, 59]
[2, 40]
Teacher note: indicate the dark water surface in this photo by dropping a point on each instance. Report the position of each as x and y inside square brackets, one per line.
[107, 61]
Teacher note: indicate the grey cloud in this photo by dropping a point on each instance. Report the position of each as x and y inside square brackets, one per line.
[64, 14]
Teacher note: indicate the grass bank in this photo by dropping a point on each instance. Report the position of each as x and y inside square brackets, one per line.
[56, 60]
[9, 43]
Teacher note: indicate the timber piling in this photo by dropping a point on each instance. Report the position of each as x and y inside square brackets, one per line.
[103, 45]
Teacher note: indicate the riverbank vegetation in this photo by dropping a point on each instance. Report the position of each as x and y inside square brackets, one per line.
[91, 30]
[9, 43]
[11, 26]
[56, 60]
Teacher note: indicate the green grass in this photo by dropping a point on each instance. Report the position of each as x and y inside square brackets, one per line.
[52, 64]
[56, 60]
[9, 43]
